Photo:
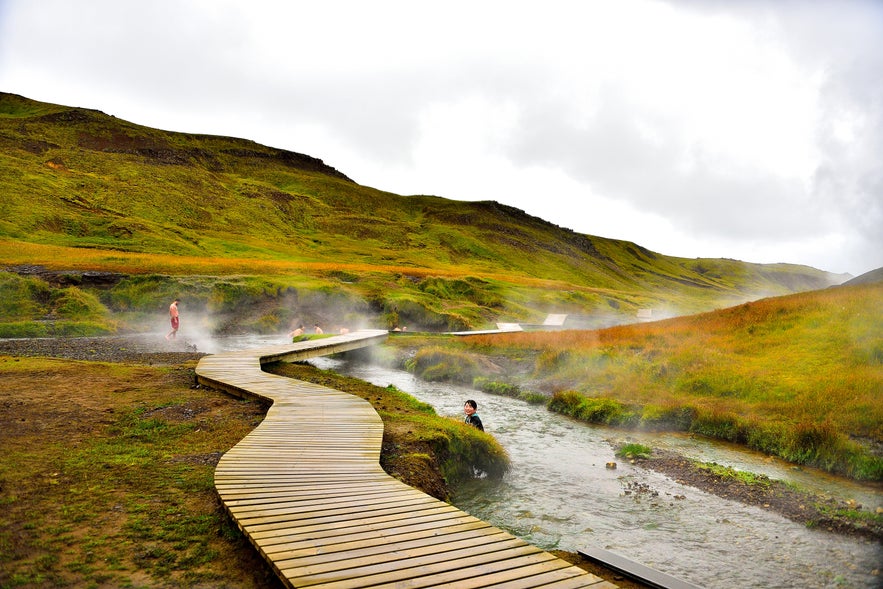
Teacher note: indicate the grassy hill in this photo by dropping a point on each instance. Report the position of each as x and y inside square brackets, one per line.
[197, 216]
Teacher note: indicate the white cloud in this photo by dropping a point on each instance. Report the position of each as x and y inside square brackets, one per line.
[749, 130]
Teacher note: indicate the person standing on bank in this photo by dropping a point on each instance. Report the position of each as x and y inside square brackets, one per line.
[472, 417]
[173, 317]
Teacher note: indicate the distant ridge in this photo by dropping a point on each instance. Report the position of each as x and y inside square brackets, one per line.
[867, 278]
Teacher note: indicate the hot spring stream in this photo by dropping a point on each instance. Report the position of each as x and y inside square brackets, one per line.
[559, 495]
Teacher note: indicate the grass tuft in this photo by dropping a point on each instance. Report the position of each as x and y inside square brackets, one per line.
[632, 451]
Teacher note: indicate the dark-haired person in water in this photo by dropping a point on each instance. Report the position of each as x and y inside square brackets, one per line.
[472, 417]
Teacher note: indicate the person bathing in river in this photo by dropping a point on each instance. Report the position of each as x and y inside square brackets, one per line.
[472, 418]
[297, 332]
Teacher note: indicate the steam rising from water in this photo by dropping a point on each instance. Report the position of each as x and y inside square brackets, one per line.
[270, 320]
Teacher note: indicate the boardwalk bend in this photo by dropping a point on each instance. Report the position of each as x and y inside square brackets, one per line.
[307, 489]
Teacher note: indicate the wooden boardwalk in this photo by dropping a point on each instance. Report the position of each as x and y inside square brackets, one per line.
[307, 489]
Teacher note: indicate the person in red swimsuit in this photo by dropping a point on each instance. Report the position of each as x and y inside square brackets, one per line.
[173, 316]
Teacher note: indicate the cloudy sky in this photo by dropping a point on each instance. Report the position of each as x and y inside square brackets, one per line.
[699, 128]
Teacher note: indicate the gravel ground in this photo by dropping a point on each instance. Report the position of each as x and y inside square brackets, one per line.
[135, 349]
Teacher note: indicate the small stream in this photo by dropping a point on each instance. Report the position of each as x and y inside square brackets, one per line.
[560, 495]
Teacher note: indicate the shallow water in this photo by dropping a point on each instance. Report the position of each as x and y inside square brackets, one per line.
[560, 495]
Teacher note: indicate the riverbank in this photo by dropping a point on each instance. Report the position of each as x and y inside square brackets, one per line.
[811, 510]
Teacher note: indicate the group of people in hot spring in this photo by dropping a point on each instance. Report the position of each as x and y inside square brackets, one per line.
[470, 408]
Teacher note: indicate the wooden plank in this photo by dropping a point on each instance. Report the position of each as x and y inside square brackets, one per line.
[634, 570]
[351, 551]
[320, 496]
[320, 510]
[366, 533]
[339, 520]
[388, 519]
[407, 572]
[257, 489]
[480, 570]
[537, 577]
[566, 578]
[318, 568]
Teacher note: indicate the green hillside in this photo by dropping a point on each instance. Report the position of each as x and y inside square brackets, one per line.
[85, 191]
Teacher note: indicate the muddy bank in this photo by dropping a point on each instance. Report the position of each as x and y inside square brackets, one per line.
[812, 510]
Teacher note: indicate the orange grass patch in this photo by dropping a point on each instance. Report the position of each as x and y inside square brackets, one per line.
[55, 257]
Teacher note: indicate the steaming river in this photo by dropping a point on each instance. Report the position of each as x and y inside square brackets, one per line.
[559, 495]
